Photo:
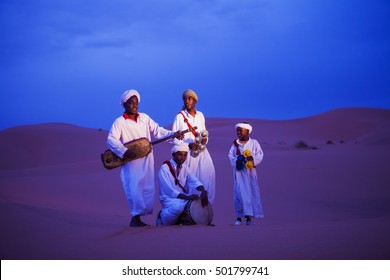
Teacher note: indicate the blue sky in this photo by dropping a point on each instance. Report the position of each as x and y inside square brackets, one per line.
[70, 61]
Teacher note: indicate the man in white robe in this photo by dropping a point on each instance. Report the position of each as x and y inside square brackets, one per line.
[137, 176]
[247, 202]
[175, 191]
[201, 166]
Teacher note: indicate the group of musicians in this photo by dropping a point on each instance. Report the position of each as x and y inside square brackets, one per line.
[188, 176]
[137, 176]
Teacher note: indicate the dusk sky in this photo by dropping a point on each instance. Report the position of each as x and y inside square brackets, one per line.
[70, 61]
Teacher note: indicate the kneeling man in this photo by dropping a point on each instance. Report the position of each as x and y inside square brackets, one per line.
[177, 186]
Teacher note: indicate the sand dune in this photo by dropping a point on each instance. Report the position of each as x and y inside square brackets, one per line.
[332, 202]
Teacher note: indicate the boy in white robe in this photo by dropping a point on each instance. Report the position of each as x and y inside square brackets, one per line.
[137, 176]
[201, 166]
[174, 190]
[245, 155]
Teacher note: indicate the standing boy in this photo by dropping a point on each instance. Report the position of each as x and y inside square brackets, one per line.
[244, 155]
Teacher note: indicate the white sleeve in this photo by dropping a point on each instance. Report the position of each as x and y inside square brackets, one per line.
[232, 155]
[175, 127]
[257, 153]
[157, 131]
[114, 142]
[192, 181]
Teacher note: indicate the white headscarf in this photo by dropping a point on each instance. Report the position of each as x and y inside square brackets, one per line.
[183, 147]
[245, 125]
[129, 93]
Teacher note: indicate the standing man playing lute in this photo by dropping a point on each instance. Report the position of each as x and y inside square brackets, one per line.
[137, 176]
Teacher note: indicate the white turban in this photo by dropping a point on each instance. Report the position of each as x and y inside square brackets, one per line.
[129, 93]
[245, 125]
[183, 147]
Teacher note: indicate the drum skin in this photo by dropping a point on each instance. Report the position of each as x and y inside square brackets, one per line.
[194, 213]
[141, 148]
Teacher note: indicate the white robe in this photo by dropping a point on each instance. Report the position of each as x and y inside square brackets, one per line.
[137, 176]
[247, 200]
[202, 166]
[172, 206]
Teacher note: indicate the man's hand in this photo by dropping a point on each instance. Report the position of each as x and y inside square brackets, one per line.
[180, 136]
[188, 197]
[193, 146]
[193, 197]
[203, 196]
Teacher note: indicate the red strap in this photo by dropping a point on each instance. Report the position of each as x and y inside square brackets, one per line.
[177, 182]
[188, 124]
[237, 150]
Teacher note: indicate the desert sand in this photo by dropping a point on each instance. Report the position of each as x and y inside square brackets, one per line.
[328, 201]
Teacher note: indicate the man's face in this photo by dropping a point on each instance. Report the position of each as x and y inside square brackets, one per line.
[189, 102]
[131, 105]
[180, 157]
[242, 133]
